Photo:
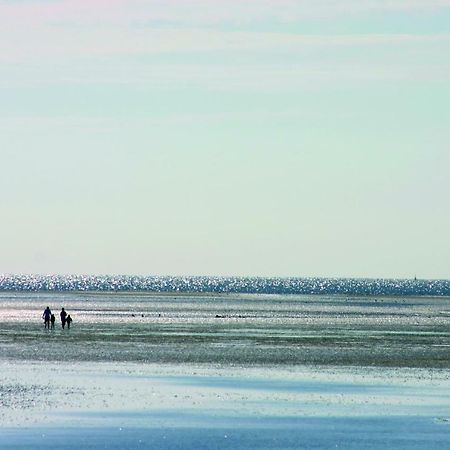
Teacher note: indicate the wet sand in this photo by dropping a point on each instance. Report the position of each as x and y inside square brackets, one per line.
[247, 330]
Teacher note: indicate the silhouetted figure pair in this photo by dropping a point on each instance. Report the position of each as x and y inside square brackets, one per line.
[65, 319]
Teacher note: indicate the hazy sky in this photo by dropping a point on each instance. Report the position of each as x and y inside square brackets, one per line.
[258, 137]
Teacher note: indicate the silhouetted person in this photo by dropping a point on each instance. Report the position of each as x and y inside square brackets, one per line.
[46, 316]
[52, 320]
[63, 316]
[69, 321]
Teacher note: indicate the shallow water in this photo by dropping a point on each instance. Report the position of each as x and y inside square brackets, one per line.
[324, 433]
[128, 405]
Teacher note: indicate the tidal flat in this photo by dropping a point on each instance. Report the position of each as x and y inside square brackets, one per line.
[224, 371]
[230, 329]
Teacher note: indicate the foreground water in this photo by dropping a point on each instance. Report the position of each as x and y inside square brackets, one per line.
[139, 406]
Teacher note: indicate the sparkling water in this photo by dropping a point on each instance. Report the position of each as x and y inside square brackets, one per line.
[237, 285]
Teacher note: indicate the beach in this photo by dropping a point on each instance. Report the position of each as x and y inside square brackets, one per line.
[143, 370]
[242, 209]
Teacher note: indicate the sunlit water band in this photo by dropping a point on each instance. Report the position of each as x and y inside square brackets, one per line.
[236, 285]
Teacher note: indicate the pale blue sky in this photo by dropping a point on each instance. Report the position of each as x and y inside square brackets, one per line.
[272, 138]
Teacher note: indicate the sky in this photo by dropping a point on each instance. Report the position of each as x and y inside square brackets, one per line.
[211, 137]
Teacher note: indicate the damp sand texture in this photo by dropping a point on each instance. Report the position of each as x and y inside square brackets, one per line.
[230, 329]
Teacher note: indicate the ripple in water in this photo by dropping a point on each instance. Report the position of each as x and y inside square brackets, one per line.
[237, 285]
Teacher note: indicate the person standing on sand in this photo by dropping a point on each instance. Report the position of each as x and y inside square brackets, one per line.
[69, 321]
[63, 316]
[52, 320]
[46, 316]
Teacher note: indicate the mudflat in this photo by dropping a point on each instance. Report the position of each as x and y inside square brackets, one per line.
[230, 329]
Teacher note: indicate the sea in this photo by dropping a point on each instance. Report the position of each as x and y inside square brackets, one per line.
[235, 285]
